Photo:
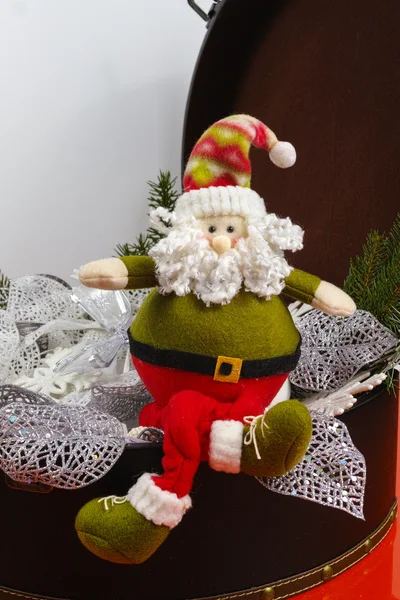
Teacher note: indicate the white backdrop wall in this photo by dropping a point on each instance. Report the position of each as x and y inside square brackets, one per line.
[92, 98]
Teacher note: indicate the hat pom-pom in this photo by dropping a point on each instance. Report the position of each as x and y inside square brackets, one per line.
[283, 155]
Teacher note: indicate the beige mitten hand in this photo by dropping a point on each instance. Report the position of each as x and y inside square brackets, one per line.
[332, 300]
[106, 274]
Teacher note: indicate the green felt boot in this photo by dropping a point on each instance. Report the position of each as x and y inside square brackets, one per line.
[277, 441]
[113, 530]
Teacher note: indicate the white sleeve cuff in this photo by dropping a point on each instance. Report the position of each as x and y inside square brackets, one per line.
[226, 441]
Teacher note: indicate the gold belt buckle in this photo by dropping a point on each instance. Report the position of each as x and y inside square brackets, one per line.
[228, 369]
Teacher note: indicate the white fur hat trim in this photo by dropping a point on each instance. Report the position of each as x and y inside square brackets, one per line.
[219, 201]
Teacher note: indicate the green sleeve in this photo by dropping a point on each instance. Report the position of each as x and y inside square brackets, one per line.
[301, 286]
[141, 272]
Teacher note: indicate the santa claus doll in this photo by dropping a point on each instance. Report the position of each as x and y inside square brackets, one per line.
[213, 342]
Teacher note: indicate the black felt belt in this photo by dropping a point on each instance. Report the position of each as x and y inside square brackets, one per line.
[207, 365]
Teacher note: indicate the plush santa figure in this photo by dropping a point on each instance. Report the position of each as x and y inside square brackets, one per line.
[214, 342]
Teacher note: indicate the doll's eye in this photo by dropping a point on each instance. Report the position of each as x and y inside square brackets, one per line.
[230, 229]
[212, 229]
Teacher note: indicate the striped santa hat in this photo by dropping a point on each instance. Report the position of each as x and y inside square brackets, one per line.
[218, 173]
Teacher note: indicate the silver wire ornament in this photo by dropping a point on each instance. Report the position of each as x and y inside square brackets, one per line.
[40, 299]
[9, 341]
[38, 308]
[123, 401]
[10, 394]
[145, 434]
[61, 446]
[332, 473]
[334, 349]
[151, 434]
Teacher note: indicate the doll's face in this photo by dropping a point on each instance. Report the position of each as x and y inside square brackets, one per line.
[223, 232]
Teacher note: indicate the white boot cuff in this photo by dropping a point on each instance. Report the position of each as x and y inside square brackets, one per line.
[226, 440]
[157, 505]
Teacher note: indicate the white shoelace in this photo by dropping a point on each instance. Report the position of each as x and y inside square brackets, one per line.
[113, 500]
[251, 437]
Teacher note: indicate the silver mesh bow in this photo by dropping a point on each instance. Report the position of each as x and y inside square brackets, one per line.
[112, 311]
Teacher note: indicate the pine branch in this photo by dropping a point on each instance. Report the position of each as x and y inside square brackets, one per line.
[394, 250]
[154, 235]
[374, 277]
[394, 236]
[392, 379]
[124, 250]
[162, 194]
[4, 291]
[139, 248]
[364, 269]
[387, 284]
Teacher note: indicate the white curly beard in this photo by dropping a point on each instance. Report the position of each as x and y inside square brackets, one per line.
[187, 263]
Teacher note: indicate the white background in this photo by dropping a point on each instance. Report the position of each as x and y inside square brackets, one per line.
[92, 98]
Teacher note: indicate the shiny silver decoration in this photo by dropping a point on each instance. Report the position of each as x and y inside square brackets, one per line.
[9, 342]
[334, 349]
[27, 327]
[40, 299]
[333, 472]
[112, 311]
[64, 445]
[61, 446]
[336, 403]
[124, 400]
[10, 394]
[39, 309]
[136, 298]
[44, 314]
[151, 434]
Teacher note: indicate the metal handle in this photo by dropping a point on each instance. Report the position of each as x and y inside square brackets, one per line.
[206, 17]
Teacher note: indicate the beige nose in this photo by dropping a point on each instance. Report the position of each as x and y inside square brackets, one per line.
[221, 243]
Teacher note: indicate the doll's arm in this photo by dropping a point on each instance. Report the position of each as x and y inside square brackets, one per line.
[127, 272]
[322, 295]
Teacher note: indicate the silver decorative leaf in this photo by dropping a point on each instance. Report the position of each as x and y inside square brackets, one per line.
[333, 472]
[334, 349]
[124, 401]
[13, 393]
[62, 446]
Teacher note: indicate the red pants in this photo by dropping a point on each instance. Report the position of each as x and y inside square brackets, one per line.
[185, 406]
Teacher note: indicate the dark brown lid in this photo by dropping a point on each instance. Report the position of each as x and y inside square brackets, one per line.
[324, 76]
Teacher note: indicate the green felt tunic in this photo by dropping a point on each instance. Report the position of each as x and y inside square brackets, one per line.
[248, 327]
